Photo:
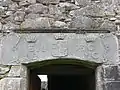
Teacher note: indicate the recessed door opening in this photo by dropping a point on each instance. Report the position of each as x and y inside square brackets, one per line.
[62, 77]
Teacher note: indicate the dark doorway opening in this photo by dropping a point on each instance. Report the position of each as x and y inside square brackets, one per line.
[71, 82]
[63, 77]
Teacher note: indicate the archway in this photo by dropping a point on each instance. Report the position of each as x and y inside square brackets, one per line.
[63, 74]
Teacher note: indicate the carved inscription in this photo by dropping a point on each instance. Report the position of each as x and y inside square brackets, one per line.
[31, 40]
[88, 50]
[59, 49]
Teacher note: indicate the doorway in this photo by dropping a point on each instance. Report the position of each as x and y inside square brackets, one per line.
[63, 77]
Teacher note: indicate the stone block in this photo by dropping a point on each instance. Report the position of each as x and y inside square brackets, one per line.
[37, 8]
[112, 85]
[10, 84]
[41, 22]
[110, 72]
[18, 71]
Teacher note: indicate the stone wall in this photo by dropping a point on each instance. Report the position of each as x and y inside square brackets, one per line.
[61, 14]
[80, 14]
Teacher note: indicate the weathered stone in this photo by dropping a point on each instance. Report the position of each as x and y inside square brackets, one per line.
[53, 9]
[92, 10]
[60, 24]
[82, 2]
[81, 22]
[27, 2]
[112, 19]
[9, 13]
[10, 26]
[13, 7]
[48, 1]
[19, 16]
[14, 71]
[117, 9]
[18, 71]
[37, 8]
[109, 10]
[31, 1]
[107, 2]
[112, 85]
[32, 16]
[5, 3]
[118, 17]
[110, 72]
[41, 22]
[24, 3]
[1, 26]
[108, 25]
[117, 22]
[10, 84]
[4, 69]
[2, 10]
[94, 47]
[68, 6]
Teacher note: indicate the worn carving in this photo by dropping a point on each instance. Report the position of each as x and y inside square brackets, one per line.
[59, 49]
[59, 36]
[39, 46]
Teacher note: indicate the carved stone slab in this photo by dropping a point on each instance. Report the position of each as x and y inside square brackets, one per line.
[25, 48]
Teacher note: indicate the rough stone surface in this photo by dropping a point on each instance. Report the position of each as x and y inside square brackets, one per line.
[37, 8]
[37, 23]
[65, 11]
[63, 14]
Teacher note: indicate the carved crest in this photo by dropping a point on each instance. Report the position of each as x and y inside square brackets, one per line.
[60, 49]
[59, 36]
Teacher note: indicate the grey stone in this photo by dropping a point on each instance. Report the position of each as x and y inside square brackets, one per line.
[41, 22]
[24, 3]
[60, 24]
[32, 16]
[6, 3]
[2, 10]
[37, 8]
[19, 16]
[10, 84]
[54, 10]
[94, 47]
[118, 17]
[1, 26]
[82, 3]
[110, 72]
[68, 6]
[109, 10]
[108, 25]
[4, 69]
[91, 10]
[81, 22]
[117, 22]
[9, 13]
[112, 85]
[14, 71]
[48, 1]
[10, 26]
[13, 7]
[31, 1]
[18, 71]
[108, 2]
